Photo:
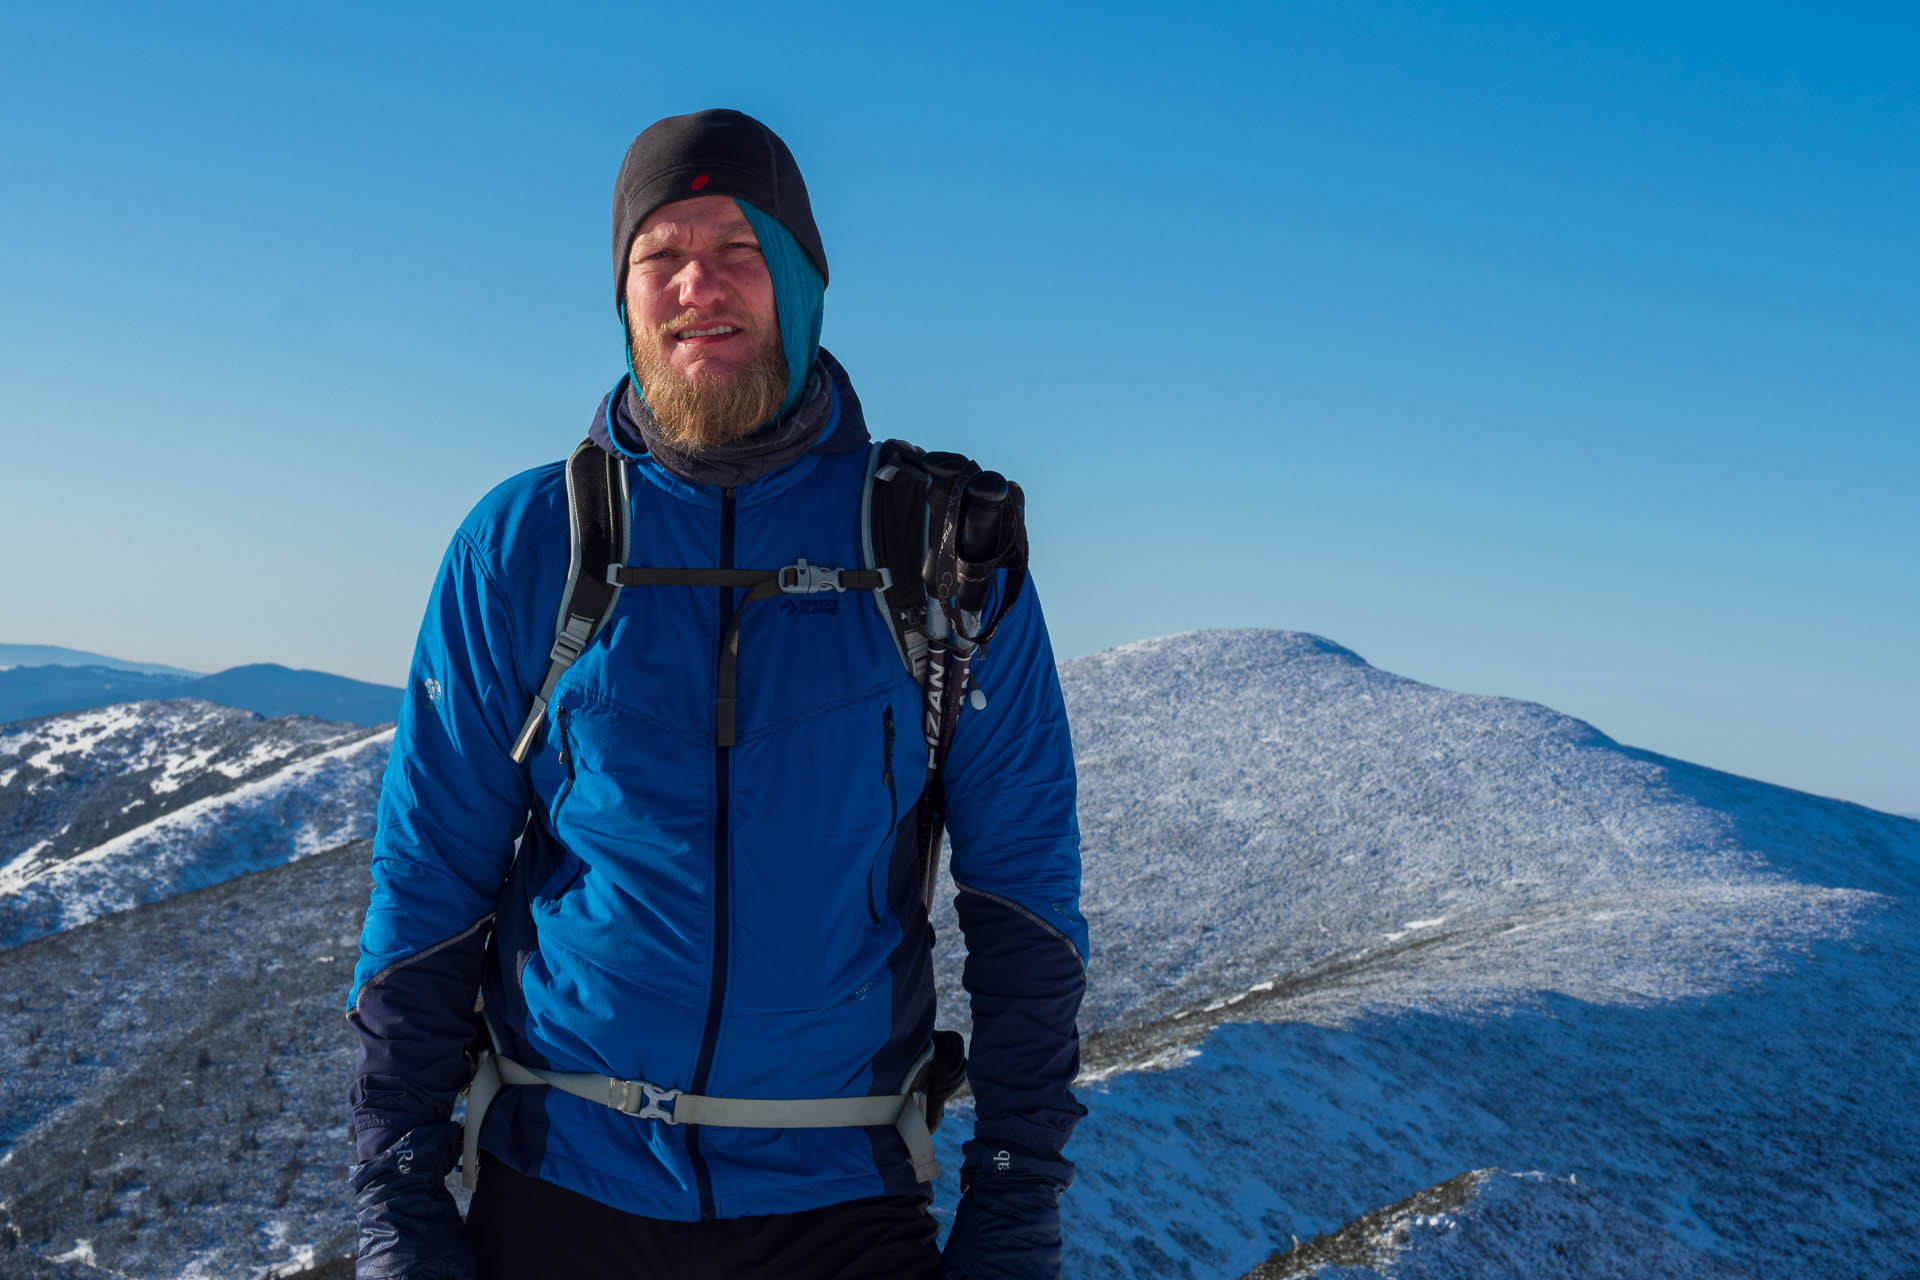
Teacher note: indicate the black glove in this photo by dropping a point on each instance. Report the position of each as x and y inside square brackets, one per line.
[410, 1228]
[1008, 1224]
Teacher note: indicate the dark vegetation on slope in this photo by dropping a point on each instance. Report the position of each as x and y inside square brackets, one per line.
[190, 1061]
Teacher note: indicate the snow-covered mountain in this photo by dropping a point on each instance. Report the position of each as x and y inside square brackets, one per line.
[1436, 986]
[103, 810]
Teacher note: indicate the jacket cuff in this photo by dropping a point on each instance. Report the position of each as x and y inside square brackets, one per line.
[986, 1162]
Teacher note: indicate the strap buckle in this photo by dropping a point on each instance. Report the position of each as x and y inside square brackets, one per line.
[620, 1096]
[801, 579]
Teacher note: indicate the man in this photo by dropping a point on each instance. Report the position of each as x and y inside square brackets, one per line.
[714, 894]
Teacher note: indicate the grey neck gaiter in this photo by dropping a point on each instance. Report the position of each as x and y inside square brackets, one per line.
[786, 439]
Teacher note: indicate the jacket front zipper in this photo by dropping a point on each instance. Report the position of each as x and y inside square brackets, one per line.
[722, 760]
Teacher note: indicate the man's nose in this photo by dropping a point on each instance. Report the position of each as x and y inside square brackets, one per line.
[699, 284]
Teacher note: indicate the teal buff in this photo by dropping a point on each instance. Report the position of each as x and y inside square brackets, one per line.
[799, 297]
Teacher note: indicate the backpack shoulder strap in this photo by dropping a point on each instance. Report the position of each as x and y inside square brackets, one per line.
[597, 524]
[893, 533]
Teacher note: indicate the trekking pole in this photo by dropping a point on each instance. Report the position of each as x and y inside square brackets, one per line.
[947, 476]
[983, 501]
[975, 529]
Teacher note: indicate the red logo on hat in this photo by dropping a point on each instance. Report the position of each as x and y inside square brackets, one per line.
[700, 182]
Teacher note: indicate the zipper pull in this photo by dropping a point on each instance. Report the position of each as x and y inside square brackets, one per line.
[565, 758]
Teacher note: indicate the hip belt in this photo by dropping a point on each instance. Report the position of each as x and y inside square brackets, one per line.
[914, 1111]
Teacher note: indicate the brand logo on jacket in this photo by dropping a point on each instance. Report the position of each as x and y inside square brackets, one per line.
[792, 607]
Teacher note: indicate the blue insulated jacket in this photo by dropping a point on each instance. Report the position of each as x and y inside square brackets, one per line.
[739, 922]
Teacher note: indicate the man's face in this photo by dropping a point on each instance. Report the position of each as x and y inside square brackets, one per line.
[700, 312]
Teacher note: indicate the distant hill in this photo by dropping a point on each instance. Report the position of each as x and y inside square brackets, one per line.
[272, 690]
[53, 655]
[28, 692]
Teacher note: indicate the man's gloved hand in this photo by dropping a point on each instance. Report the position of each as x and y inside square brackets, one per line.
[410, 1228]
[1008, 1224]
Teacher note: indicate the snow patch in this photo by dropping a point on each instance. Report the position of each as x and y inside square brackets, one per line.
[1414, 926]
[82, 1253]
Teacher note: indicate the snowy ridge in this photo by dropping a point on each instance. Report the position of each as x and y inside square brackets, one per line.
[195, 846]
[128, 804]
[1256, 806]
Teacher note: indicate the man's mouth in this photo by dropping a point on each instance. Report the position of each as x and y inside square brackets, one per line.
[715, 331]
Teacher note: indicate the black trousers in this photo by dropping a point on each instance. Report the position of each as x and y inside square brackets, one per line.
[526, 1229]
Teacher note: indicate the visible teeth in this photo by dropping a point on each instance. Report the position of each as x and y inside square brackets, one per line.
[707, 333]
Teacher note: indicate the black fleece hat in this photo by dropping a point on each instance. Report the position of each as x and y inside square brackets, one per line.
[709, 153]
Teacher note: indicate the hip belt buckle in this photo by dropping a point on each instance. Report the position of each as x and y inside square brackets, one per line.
[648, 1105]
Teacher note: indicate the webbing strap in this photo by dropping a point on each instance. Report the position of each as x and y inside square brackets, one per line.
[599, 533]
[568, 644]
[628, 575]
[793, 579]
[647, 1101]
[481, 1091]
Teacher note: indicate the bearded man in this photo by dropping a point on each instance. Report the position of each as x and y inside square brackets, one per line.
[685, 898]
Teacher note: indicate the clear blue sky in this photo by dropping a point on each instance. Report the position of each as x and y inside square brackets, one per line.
[1563, 354]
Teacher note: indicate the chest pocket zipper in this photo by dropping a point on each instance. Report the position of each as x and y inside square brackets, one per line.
[893, 809]
[566, 758]
[567, 874]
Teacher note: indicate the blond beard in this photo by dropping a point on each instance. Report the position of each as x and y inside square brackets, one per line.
[708, 412]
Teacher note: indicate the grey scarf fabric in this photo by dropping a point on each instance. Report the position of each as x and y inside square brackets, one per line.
[773, 446]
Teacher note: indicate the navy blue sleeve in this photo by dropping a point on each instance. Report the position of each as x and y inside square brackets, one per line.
[1016, 865]
[452, 804]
